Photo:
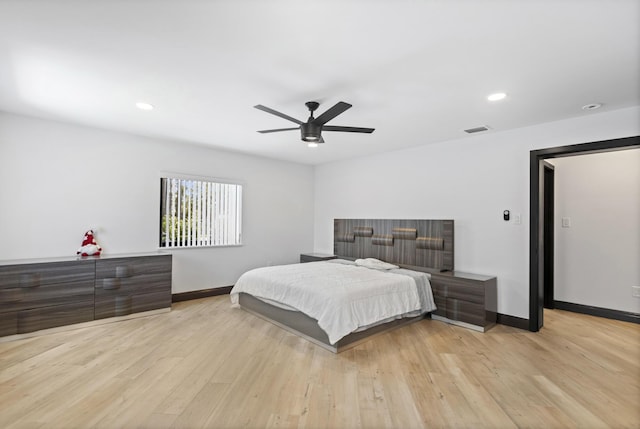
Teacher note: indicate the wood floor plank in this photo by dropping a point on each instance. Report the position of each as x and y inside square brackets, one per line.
[568, 405]
[205, 364]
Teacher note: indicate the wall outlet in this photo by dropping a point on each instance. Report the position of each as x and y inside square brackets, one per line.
[635, 291]
[566, 222]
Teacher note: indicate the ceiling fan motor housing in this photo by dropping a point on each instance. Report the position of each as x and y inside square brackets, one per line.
[310, 132]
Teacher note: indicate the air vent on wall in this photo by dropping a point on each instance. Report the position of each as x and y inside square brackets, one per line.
[477, 129]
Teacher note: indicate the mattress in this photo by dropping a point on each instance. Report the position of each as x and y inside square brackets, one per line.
[342, 296]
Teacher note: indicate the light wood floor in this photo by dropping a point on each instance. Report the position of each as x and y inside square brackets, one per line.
[207, 365]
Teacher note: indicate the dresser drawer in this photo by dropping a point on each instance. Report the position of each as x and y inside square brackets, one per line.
[26, 276]
[470, 293]
[47, 295]
[44, 317]
[133, 275]
[133, 267]
[150, 301]
[142, 283]
[465, 311]
[123, 304]
[52, 316]
[459, 288]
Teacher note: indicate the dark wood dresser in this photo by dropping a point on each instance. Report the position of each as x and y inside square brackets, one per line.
[465, 299]
[47, 293]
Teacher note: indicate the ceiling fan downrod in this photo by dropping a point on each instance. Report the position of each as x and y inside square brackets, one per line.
[312, 106]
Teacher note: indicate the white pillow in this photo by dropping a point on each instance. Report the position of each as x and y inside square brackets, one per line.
[376, 264]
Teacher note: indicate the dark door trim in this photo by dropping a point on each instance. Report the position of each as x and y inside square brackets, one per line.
[536, 283]
[548, 227]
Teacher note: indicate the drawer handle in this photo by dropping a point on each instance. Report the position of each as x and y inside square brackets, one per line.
[123, 271]
[110, 284]
[29, 280]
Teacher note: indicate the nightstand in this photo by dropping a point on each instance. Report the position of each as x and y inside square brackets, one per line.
[465, 299]
[314, 257]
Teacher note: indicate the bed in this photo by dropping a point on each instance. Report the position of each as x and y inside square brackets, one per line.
[379, 282]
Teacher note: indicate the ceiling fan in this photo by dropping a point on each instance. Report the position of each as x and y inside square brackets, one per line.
[311, 131]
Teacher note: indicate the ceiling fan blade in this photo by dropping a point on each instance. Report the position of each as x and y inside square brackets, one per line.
[279, 129]
[275, 112]
[348, 129]
[339, 108]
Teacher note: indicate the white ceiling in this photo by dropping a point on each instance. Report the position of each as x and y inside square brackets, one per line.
[417, 71]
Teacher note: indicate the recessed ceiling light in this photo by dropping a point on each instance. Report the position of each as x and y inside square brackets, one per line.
[497, 96]
[592, 106]
[144, 106]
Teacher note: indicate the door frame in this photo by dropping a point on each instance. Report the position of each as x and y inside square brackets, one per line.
[536, 226]
[548, 227]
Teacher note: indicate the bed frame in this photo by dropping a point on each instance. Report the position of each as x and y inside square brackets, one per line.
[420, 245]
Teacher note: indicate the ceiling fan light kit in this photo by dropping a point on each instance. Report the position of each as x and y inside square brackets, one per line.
[311, 131]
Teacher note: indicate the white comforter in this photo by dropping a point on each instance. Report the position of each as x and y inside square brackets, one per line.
[341, 297]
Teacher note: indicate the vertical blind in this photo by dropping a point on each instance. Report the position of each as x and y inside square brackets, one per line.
[199, 213]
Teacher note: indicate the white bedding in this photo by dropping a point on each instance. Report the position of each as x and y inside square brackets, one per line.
[341, 297]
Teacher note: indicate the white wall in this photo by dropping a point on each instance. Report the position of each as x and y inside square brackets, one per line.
[471, 180]
[58, 180]
[597, 258]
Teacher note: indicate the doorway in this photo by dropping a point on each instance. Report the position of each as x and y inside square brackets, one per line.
[539, 268]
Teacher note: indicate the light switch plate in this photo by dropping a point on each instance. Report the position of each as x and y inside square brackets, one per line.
[566, 222]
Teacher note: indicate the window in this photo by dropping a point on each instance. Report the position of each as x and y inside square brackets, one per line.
[199, 213]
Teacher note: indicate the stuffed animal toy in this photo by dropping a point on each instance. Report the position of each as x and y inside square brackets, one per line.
[89, 246]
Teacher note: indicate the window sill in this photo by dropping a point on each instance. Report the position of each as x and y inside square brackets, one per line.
[198, 247]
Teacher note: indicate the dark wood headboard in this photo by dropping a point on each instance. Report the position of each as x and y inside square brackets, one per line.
[423, 243]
